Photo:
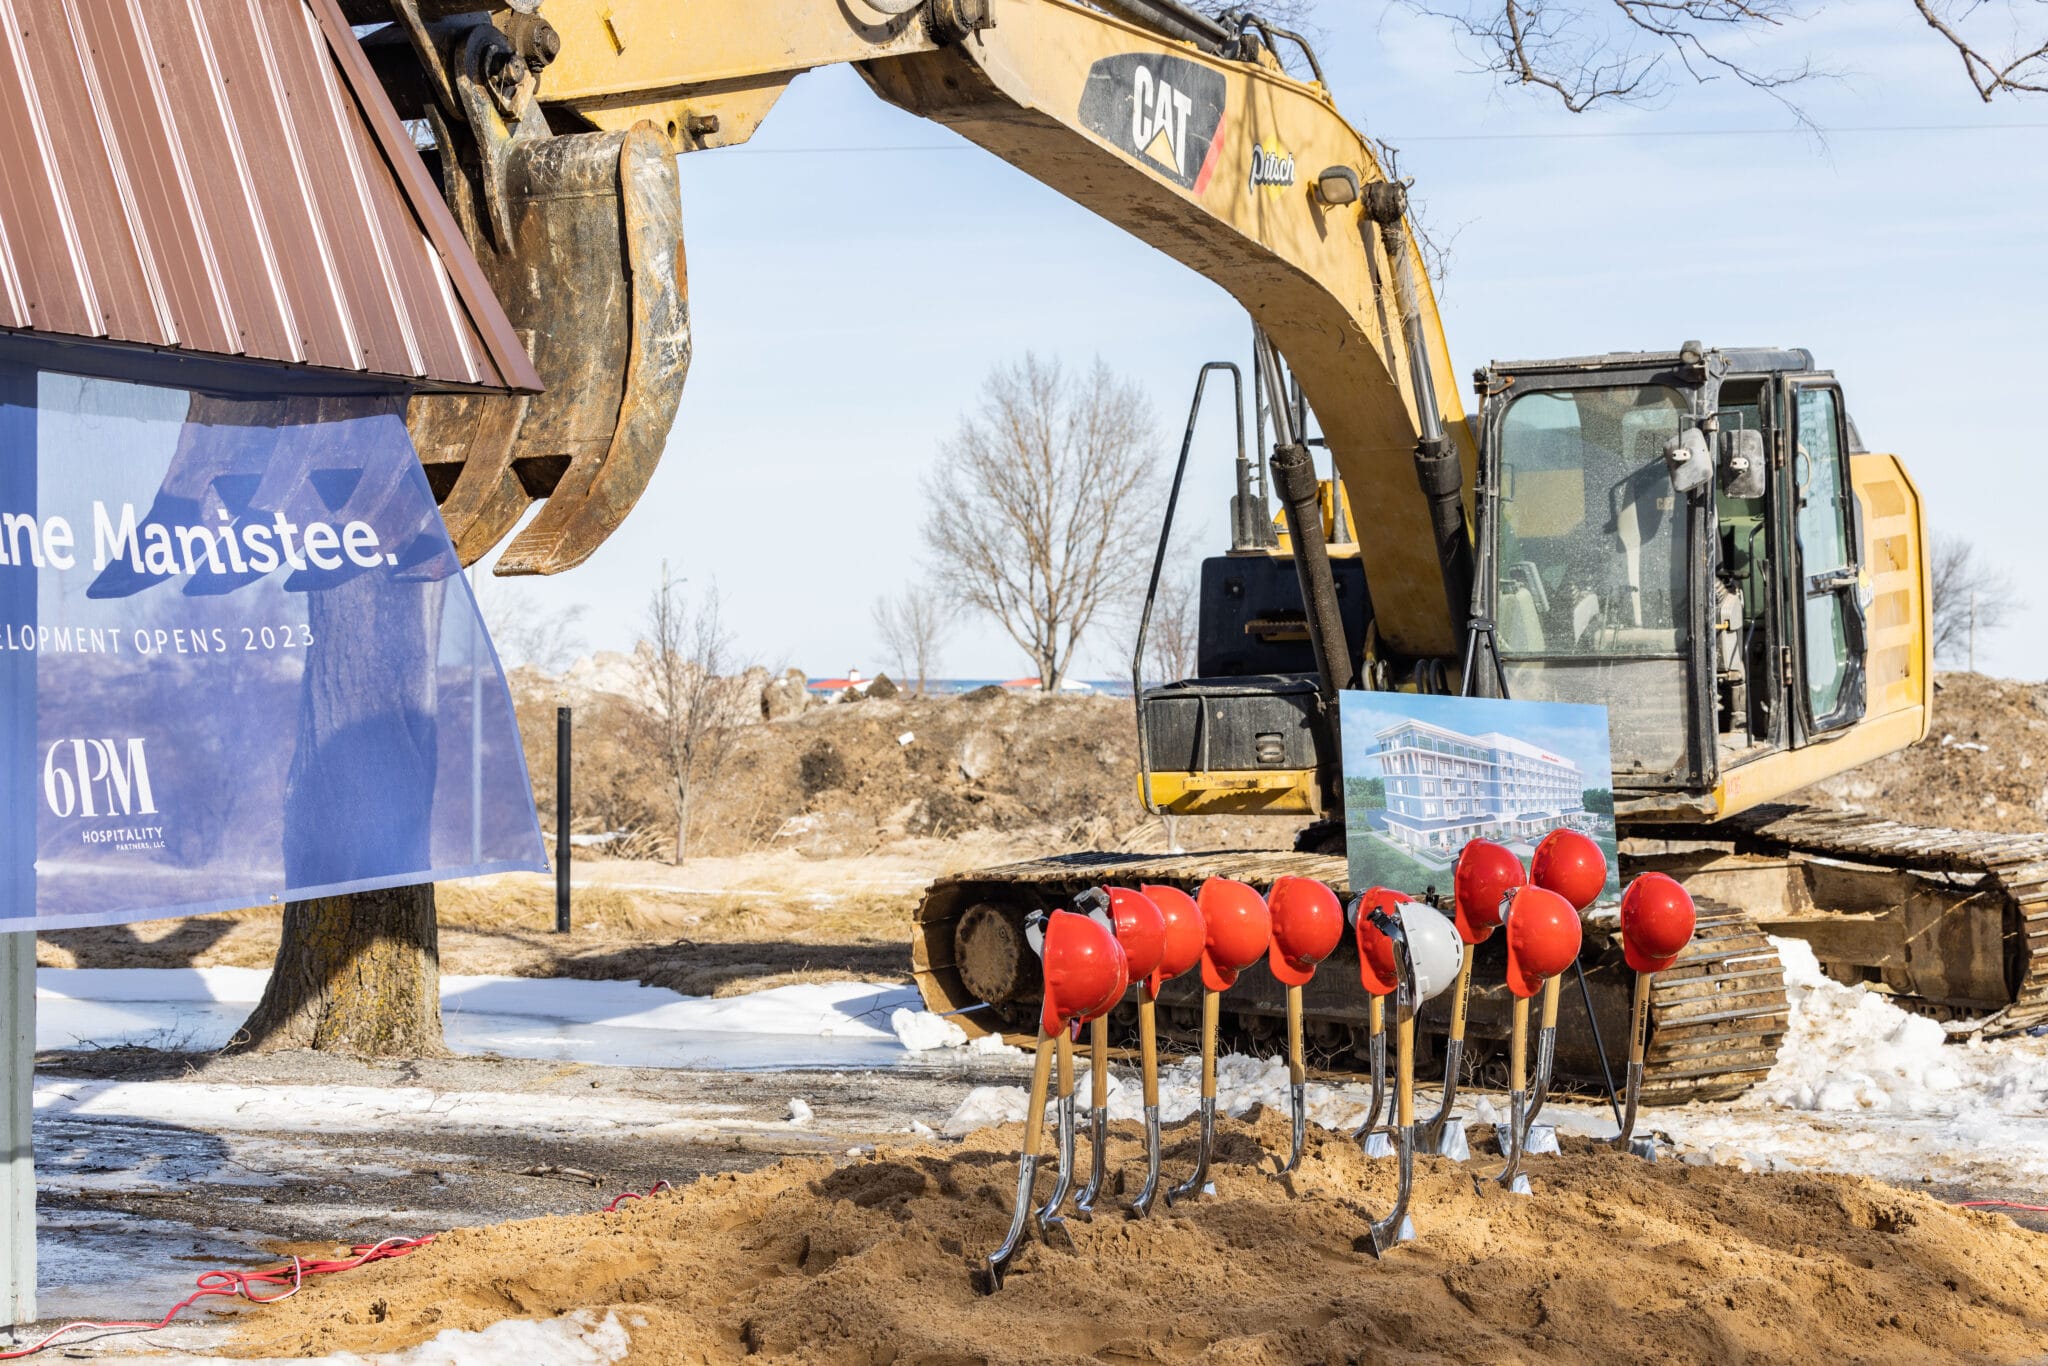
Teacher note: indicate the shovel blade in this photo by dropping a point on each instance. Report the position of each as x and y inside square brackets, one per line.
[594, 281]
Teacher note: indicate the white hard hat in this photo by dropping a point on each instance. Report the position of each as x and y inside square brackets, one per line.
[1434, 949]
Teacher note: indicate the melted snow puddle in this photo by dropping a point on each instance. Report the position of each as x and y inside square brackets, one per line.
[104, 1264]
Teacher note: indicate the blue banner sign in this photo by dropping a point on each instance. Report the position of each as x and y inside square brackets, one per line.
[239, 662]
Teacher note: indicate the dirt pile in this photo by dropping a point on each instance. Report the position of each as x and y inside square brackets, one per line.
[855, 777]
[852, 778]
[1983, 765]
[874, 1261]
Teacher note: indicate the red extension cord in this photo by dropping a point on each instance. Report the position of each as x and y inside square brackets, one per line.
[244, 1285]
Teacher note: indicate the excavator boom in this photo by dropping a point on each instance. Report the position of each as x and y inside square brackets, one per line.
[1201, 145]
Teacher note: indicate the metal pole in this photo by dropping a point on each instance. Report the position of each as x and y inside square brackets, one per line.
[18, 1213]
[18, 800]
[1606, 1072]
[564, 727]
[477, 653]
[1180, 470]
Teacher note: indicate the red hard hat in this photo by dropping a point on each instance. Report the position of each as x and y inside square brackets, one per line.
[1543, 938]
[1308, 924]
[1236, 929]
[1184, 936]
[1140, 928]
[1376, 971]
[1657, 920]
[1084, 970]
[1486, 873]
[1570, 864]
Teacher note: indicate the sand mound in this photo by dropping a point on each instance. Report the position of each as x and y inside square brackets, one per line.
[872, 1261]
[1983, 765]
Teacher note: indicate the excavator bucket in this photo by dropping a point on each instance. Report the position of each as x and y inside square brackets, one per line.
[584, 247]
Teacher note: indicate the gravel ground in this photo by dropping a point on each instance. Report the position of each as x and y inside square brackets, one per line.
[451, 1177]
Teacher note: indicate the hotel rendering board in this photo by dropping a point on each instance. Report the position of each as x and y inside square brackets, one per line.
[1424, 775]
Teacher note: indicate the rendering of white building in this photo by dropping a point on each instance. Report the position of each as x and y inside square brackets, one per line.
[1445, 788]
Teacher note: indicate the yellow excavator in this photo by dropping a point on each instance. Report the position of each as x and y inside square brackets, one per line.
[1695, 538]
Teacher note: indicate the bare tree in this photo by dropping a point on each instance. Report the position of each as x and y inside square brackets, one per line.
[692, 689]
[1037, 505]
[524, 631]
[1173, 634]
[913, 627]
[1590, 52]
[1970, 596]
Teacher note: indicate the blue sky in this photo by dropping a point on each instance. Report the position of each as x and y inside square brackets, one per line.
[855, 272]
[1577, 733]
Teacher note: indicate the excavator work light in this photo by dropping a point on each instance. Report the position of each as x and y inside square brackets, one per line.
[1336, 186]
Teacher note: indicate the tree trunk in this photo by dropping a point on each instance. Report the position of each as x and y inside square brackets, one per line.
[356, 974]
[682, 822]
[361, 973]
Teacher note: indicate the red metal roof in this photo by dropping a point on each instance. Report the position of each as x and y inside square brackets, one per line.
[227, 177]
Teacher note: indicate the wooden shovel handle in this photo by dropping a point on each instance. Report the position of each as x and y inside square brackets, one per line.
[1460, 992]
[1148, 1045]
[1034, 1114]
[1518, 1047]
[1639, 1035]
[1551, 990]
[1065, 1052]
[1098, 1062]
[1297, 1071]
[1212, 1010]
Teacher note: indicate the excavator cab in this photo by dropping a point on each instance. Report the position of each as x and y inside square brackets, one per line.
[1694, 539]
[1679, 536]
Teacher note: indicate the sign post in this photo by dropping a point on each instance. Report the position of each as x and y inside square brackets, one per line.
[563, 736]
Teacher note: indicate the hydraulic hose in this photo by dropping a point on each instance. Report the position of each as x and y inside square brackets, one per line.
[1436, 458]
[1294, 478]
[1174, 21]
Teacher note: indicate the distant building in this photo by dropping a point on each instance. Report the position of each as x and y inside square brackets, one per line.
[838, 687]
[1445, 788]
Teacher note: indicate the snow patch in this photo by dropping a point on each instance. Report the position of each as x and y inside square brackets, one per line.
[921, 1031]
[225, 1108]
[819, 1009]
[1849, 1049]
[578, 1339]
[800, 1111]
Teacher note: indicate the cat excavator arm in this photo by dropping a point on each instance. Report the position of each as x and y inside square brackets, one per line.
[554, 127]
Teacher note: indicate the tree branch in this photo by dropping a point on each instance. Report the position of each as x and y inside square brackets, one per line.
[2020, 71]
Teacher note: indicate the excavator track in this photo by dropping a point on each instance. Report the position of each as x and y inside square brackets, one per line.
[1717, 1016]
[1950, 922]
